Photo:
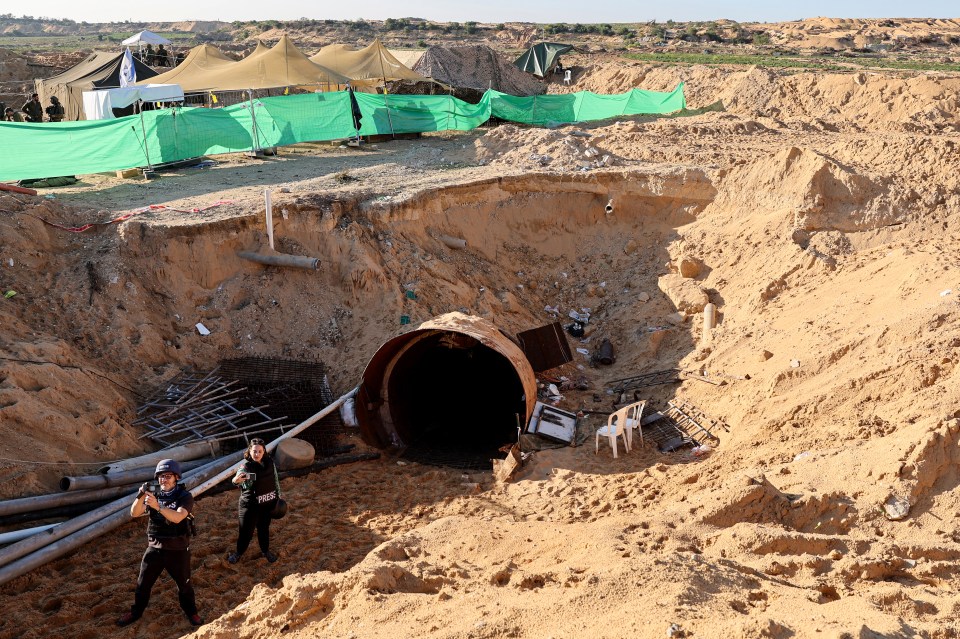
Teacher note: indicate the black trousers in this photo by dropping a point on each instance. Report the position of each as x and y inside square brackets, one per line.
[177, 565]
[255, 516]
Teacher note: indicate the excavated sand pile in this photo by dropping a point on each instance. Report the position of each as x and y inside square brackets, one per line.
[826, 234]
[854, 102]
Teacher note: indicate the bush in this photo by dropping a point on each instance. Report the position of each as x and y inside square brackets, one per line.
[422, 44]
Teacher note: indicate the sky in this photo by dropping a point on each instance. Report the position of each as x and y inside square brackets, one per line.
[541, 11]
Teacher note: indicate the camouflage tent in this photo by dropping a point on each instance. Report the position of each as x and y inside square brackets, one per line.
[473, 69]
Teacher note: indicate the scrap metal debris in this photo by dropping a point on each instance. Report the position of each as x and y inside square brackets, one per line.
[240, 398]
[195, 407]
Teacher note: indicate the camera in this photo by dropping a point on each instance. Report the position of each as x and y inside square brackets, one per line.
[154, 488]
[251, 477]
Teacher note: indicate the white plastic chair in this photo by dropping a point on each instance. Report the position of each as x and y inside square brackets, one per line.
[631, 420]
[567, 77]
[613, 429]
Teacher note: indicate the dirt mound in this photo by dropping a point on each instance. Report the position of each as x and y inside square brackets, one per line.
[195, 26]
[857, 101]
[567, 150]
[840, 34]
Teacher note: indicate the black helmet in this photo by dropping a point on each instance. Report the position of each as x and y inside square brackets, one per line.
[168, 466]
[279, 510]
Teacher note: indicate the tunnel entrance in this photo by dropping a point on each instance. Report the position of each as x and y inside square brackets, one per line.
[449, 393]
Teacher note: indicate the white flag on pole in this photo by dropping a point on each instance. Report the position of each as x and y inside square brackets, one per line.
[128, 72]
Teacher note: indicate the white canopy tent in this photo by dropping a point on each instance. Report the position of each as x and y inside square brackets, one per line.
[148, 39]
[145, 37]
[99, 105]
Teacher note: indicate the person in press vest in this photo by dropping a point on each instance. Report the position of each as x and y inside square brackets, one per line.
[168, 506]
[259, 491]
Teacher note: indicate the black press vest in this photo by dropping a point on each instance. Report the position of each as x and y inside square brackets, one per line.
[159, 527]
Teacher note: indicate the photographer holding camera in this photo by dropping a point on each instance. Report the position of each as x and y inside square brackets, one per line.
[168, 505]
[260, 490]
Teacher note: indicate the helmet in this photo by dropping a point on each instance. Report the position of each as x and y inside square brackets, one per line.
[279, 510]
[168, 466]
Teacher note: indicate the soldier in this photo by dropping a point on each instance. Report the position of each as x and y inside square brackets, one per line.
[55, 112]
[33, 109]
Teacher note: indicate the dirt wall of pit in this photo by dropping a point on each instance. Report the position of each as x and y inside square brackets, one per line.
[117, 306]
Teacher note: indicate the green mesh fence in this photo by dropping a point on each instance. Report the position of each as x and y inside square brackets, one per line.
[546, 110]
[167, 135]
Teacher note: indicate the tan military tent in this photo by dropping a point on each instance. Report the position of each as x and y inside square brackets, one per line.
[407, 57]
[193, 74]
[261, 48]
[283, 65]
[368, 67]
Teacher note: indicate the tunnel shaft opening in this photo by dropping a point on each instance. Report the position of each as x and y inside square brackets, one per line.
[450, 397]
[458, 395]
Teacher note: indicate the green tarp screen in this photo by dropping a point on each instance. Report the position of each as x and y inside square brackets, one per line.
[73, 148]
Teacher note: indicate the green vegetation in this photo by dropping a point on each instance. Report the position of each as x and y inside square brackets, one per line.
[821, 64]
[599, 29]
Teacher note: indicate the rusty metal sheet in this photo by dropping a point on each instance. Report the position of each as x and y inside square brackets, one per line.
[546, 347]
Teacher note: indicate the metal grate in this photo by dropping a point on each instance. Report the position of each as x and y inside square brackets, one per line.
[680, 425]
[241, 398]
[667, 435]
[668, 376]
[295, 388]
